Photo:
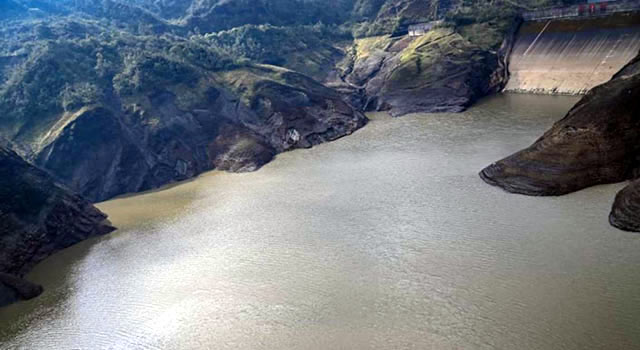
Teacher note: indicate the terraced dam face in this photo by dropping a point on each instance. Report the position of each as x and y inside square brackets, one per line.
[571, 56]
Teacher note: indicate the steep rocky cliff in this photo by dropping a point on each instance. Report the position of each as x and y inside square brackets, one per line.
[446, 70]
[115, 113]
[158, 137]
[595, 143]
[37, 218]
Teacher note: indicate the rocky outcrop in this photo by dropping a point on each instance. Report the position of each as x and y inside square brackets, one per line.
[625, 213]
[13, 288]
[595, 143]
[126, 120]
[108, 150]
[37, 218]
[442, 71]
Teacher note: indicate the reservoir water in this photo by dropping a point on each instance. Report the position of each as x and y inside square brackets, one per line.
[386, 239]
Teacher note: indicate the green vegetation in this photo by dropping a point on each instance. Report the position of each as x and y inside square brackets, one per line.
[65, 70]
[430, 58]
[485, 24]
[67, 54]
[307, 49]
[392, 16]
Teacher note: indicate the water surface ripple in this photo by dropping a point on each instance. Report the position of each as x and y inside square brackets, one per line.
[386, 239]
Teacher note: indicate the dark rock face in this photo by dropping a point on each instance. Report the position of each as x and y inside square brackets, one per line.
[108, 150]
[295, 111]
[625, 213]
[123, 113]
[238, 151]
[13, 289]
[37, 218]
[161, 120]
[595, 143]
[438, 72]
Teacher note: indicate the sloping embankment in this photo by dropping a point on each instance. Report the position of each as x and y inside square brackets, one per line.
[571, 56]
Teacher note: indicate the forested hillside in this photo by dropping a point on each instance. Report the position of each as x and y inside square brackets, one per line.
[121, 96]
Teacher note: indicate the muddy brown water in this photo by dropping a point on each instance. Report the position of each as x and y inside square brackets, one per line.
[386, 239]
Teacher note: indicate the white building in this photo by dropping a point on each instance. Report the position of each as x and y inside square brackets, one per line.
[422, 28]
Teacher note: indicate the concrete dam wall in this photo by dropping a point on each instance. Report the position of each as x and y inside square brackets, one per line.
[571, 56]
